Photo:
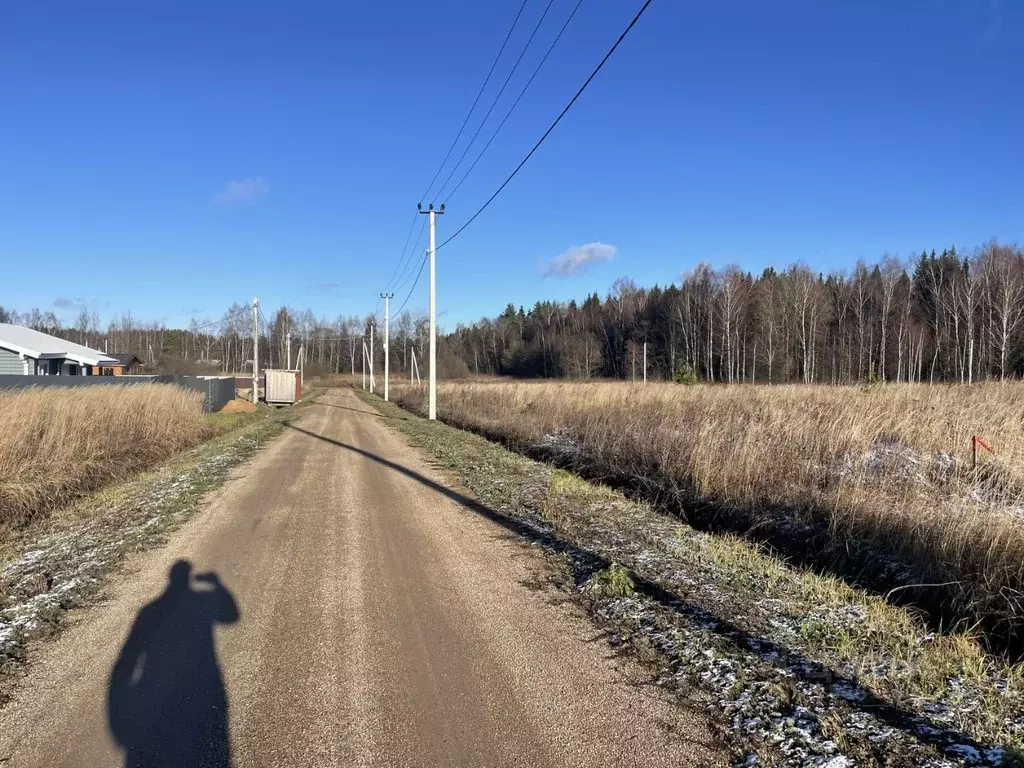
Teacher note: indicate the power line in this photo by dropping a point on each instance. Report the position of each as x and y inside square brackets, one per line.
[401, 258]
[516, 102]
[415, 283]
[406, 256]
[494, 103]
[227, 316]
[406, 271]
[475, 101]
[553, 125]
[270, 341]
[419, 245]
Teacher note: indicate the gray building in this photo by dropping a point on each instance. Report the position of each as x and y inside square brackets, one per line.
[31, 353]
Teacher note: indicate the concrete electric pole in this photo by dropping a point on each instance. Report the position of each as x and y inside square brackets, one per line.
[288, 346]
[432, 409]
[372, 324]
[387, 341]
[256, 350]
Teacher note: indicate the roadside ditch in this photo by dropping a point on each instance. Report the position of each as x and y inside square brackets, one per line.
[803, 669]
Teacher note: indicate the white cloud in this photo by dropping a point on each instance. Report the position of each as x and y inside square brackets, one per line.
[242, 192]
[574, 260]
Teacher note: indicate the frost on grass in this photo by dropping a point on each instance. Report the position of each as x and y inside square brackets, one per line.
[804, 671]
[63, 569]
[764, 665]
[891, 459]
[561, 448]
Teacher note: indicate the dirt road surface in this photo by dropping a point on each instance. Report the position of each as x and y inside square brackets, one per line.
[336, 604]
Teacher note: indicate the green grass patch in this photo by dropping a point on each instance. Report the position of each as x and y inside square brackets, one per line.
[613, 581]
[220, 423]
[567, 484]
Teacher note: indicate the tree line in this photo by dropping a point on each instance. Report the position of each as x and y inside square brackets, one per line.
[937, 317]
[225, 345]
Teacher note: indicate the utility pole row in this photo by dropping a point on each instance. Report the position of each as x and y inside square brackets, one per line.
[431, 216]
[256, 350]
[387, 341]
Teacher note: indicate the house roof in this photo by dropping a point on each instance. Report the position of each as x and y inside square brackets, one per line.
[124, 358]
[25, 341]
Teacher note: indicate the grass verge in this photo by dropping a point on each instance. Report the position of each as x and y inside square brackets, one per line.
[803, 668]
[60, 561]
[875, 485]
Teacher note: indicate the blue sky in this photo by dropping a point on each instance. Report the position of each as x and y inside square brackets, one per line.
[168, 158]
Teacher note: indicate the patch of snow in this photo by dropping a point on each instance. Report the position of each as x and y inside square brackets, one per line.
[849, 692]
[969, 753]
[25, 561]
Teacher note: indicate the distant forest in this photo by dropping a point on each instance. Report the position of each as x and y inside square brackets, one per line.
[225, 345]
[940, 317]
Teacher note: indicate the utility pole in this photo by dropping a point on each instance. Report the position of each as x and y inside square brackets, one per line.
[372, 324]
[256, 350]
[645, 362]
[288, 346]
[431, 215]
[387, 340]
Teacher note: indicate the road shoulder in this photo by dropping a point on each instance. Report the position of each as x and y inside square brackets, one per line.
[68, 562]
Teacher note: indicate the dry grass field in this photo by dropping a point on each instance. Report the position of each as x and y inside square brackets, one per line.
[59, 443]
[873, 484]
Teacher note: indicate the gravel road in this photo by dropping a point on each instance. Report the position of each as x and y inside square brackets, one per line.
[335, 604]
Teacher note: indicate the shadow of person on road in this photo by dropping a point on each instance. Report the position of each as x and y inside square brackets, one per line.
[167, 704]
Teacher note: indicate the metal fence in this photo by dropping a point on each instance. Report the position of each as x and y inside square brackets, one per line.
[217, 390]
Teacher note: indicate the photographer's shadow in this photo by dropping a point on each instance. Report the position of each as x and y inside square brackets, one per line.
[167, 704]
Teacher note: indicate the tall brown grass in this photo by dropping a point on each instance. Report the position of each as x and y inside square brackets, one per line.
[873, 483]
[56, 443]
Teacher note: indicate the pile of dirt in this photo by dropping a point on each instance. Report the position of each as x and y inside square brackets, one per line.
[239, 406]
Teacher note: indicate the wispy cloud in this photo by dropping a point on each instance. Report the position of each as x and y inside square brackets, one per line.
[75, 303]
[575, 260]
[324, 287]
[242, 191]
[994, 27]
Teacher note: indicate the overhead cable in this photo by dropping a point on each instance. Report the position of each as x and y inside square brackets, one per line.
[558, 119]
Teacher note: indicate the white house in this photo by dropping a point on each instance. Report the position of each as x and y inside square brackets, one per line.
[31, 353]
